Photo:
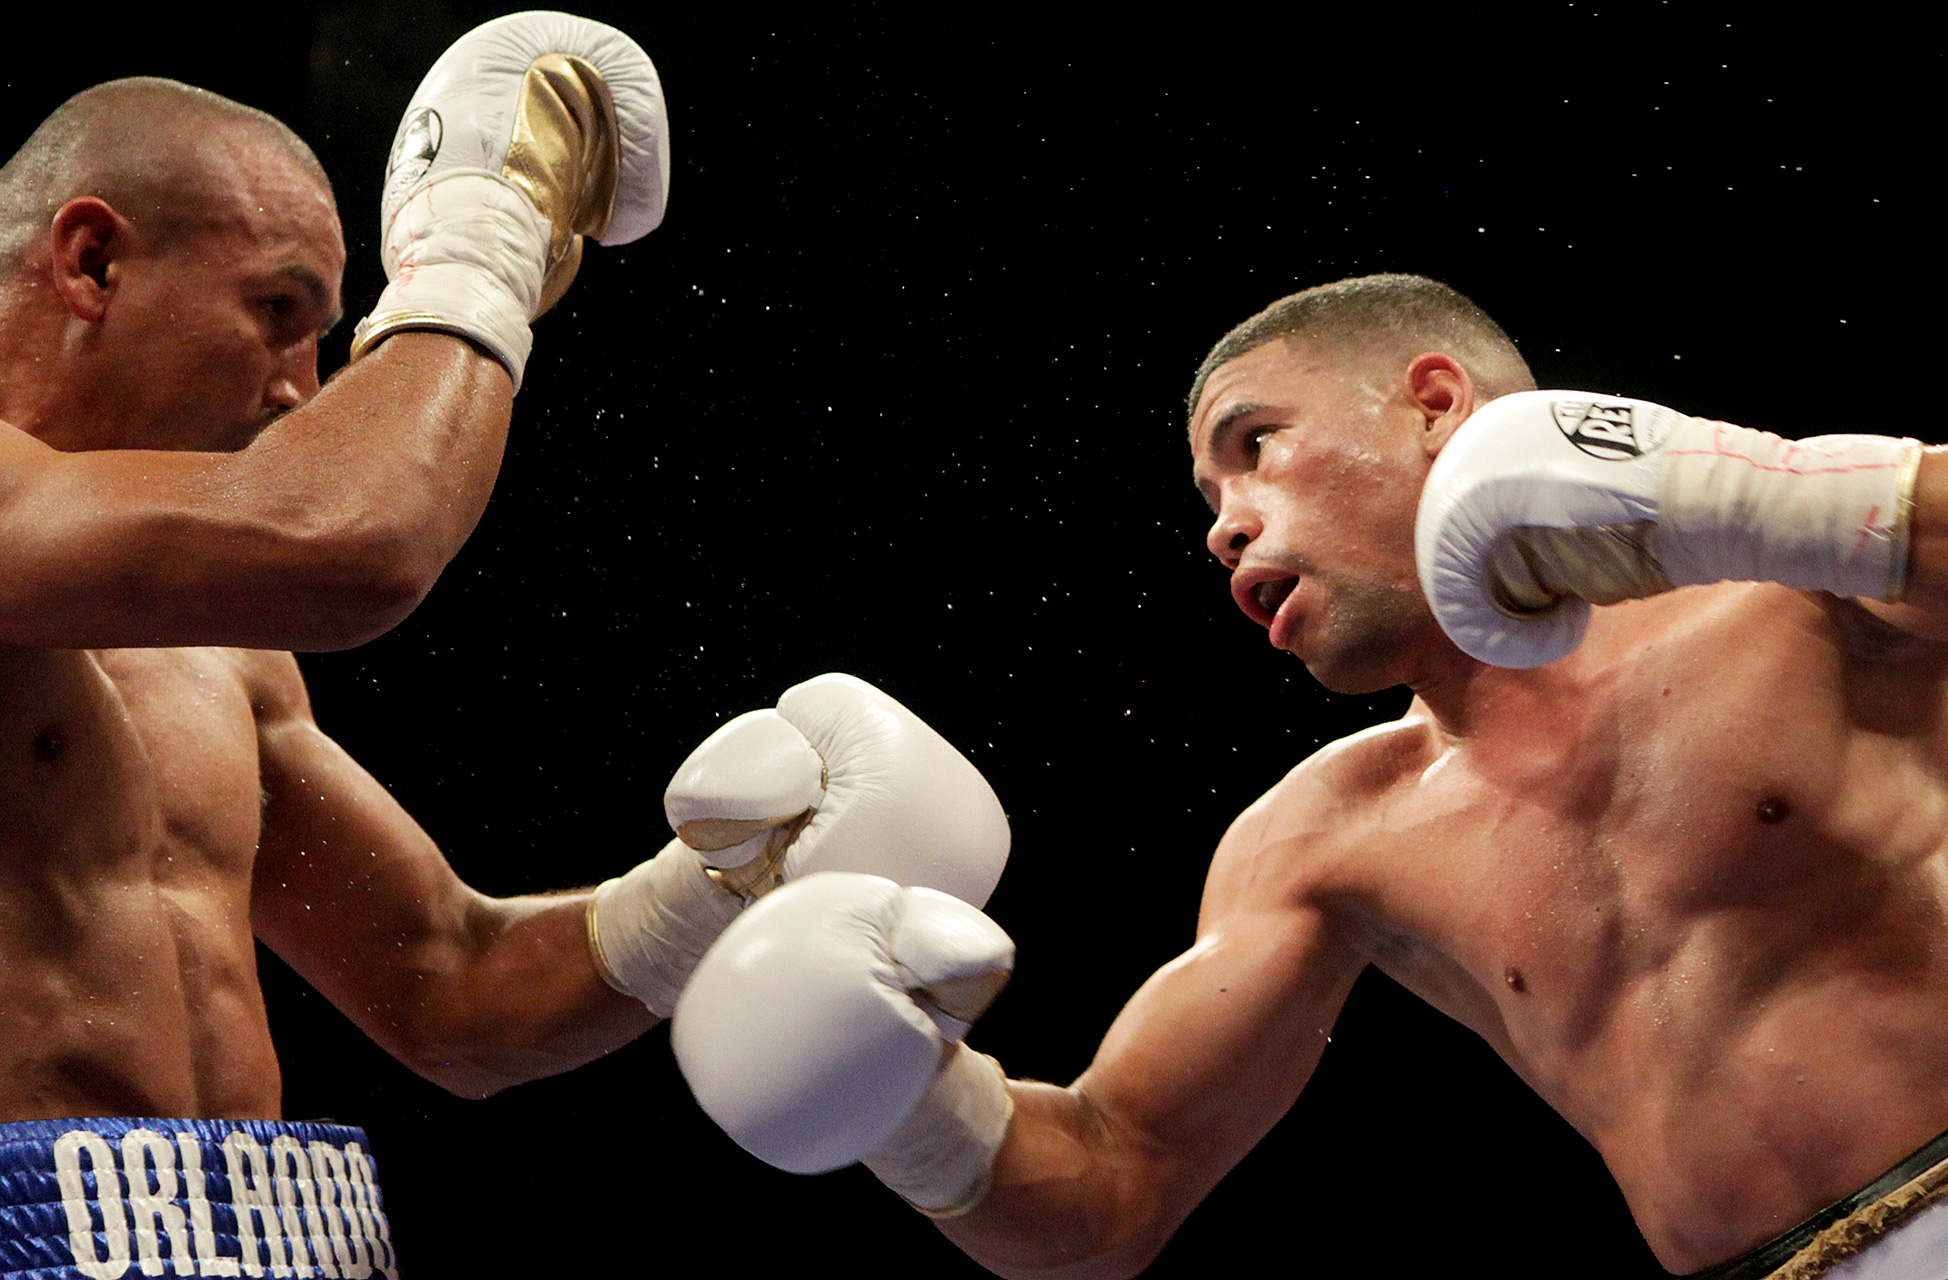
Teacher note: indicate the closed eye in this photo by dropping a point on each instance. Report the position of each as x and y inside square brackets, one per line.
[297, 301]
[288, 316]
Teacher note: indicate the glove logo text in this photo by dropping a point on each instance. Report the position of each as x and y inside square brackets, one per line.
[1607, 431]
[413, 150]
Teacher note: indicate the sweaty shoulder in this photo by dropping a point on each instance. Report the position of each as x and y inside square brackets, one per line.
[1289, 841]
[274, 684]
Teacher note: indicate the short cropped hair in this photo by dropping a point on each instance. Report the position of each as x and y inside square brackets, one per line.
[1394, 317]
[141, 145]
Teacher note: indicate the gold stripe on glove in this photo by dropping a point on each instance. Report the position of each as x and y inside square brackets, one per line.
[564, 153]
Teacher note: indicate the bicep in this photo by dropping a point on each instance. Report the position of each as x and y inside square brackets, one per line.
[474, 993]
[1216, 1047]
[326, 530]
[348, 889]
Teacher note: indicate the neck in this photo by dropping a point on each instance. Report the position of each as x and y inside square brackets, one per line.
[1465, 697]
[37, 364]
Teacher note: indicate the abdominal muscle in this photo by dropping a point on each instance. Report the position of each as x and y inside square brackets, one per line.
[1702, 908]
[138, 1019]
[1746, 1082]
[128, 825]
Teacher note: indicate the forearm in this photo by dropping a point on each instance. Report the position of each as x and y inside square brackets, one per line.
[322, 533]
[1063, 1204]
[1923, 607]
[399, 453]
[519, 998]
[1092, 1181]
[334, 524]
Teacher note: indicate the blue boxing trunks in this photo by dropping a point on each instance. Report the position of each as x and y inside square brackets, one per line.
[102, 1198]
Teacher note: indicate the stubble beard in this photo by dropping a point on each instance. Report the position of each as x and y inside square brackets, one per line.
[1367, 629]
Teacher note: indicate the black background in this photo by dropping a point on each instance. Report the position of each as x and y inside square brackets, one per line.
[897, 389]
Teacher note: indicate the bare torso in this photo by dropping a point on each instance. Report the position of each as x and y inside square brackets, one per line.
[1693, 886]
[129, 818]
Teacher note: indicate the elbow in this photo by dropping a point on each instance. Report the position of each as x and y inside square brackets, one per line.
[460, 1078]
[482, 1066]
[1066, 1255]
[436, 1057]
[465, 1071]
[302, 584]
[358, 585]
[352, 614]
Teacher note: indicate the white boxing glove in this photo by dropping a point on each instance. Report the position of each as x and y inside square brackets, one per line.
[874, 789]
[1544, 502]
[839, 777]
[824, 1028]
[531, 132]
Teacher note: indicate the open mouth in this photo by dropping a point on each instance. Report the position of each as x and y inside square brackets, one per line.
[1260, 600]
[1270, 595]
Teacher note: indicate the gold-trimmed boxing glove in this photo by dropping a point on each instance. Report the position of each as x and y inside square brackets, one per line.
[530, 133]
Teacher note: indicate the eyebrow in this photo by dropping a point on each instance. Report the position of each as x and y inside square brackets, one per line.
[314, 284]
[1220, 437]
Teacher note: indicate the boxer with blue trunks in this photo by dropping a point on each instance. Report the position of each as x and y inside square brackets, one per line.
[181, 506]
[102, 1198]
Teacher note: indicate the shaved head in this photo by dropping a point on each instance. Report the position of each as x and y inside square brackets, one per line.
[159, 152]
[1385, 319]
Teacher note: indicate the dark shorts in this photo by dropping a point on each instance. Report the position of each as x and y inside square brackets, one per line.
[102, 1198]
[1846, 1231]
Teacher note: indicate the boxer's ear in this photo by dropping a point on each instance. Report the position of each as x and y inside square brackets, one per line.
[1443, 394]
[85, 240]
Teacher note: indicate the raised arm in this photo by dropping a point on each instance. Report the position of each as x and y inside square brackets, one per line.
[324, 532]
[530, 133]
[1923, 607]
[1542, 503]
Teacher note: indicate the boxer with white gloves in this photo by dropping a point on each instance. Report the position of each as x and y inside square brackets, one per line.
[1688, 881]
[839, 777]
[1545, 502]
[181, 505]
[531, 132]
[825, 1028]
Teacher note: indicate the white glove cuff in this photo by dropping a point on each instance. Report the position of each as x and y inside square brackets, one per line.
[940, 1158]
[648, 929]
[1828, 514]
[466, 254]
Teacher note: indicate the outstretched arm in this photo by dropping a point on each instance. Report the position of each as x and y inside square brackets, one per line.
[822, 1028]
[474, 993]
[1094, 1179]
